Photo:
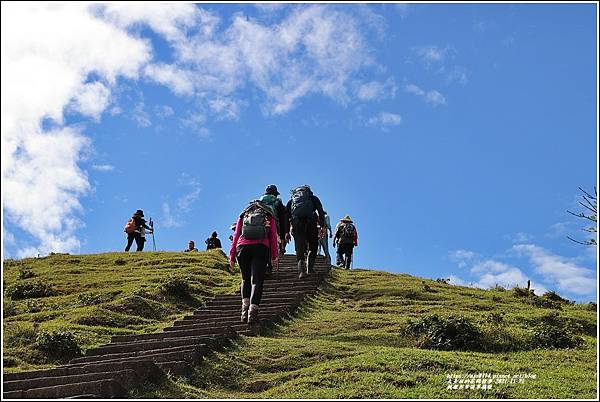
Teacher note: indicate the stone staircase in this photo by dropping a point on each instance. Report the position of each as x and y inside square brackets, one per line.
[111, 370]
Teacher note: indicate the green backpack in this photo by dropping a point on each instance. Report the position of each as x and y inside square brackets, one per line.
[255, 219]
[269, 201]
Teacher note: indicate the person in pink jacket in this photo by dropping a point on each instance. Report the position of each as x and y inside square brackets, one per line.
[254, 243]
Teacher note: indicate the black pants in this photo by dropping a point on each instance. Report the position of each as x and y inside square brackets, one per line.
[252, 259]
[306, 242]
[344, 255]
[139, 241]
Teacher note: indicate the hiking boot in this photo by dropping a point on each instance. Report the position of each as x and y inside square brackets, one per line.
[302, 275]
[253, 314]
[245, 307]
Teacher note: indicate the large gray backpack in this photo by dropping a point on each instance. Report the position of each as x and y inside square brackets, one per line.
[255, 221]
[302, 206]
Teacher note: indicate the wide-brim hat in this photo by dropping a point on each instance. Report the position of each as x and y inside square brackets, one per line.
[346, 219]
[139, 212]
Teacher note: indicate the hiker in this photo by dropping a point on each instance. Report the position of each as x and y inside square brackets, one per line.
[301, 210]
[323, 243]
[346, 237]
[213, 242]
[278, 210]
[232, 227]
[191, 247]
[136, 230]
[254, 244]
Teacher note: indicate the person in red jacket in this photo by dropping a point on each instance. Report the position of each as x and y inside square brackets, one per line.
[254, 244]
[346, 238]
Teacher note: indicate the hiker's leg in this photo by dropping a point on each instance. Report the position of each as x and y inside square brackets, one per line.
[349, 256]
[139, 241]
[130, 237]
[300, 245]
[313, 244]
[325, 244]
[258, 266]
[244, 259]
[339, 260]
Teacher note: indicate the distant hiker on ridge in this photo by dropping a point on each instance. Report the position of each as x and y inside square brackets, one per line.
[254, 243]
[136, 230]
[325, 228]
[301, 210]
[213, 242]
[191, 247]
[346, 237]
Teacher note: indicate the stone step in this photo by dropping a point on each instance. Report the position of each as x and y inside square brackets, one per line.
[237, 303]
[202, 348]
[266, 296]
[207, 323]
[202, 331]
[303, 288]
[106, 388]
[233, 307]
[136, 346]
[265, 318]
[143, 369]
[235, 311]
[191, 319]
[127, 379]
[189, 354]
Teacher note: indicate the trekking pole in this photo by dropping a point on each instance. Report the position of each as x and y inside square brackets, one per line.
[153, 241]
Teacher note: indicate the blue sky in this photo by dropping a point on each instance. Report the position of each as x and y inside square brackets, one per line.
[454, 135]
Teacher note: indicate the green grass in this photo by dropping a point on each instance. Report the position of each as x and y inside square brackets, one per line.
[101, 295]
[347, 342]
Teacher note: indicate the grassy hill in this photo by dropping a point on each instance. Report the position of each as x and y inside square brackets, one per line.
[367, 334]
[94, 297]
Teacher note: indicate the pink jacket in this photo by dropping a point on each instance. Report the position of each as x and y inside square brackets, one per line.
[270, 241]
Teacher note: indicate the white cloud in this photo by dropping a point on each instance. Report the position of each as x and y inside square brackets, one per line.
[567, 275]
[48, 52]
[170, 21]
[103, 168]
[432, 97]
[488, 273]
[385, 119]
[455, 280]
[313, 49]
[183, 204]
[168, 220]
[140, 116]
[462, 257]
[178, 80]
[431, 54]
[376, 90]
[92, 99]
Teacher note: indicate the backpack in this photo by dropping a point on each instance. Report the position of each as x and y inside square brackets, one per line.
[255, 221]
[270, 201]
[130, 227]
[302, 204]
[347, 231]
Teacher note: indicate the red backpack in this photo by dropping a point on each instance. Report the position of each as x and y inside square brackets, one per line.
[130, 227]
